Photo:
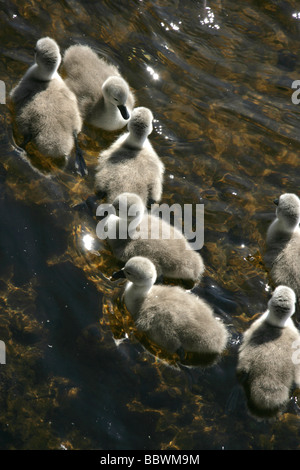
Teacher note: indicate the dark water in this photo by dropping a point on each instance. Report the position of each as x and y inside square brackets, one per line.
[217, 76]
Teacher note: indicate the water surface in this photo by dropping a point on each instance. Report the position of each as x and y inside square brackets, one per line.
[217, 76]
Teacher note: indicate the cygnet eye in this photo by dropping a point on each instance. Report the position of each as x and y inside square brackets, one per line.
[116, 99]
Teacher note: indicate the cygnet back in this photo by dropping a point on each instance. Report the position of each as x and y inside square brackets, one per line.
[131, 164]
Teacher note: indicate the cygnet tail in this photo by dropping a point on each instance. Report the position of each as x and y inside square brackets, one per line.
[213, 341]
[52, 146]
[268, 394]
[221, 337]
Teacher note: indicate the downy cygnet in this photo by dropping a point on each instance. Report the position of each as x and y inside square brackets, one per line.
[283, 243]
[131, 164]
[104, 97]
[133, 231]
[46, 110]
[268, 366]
[173, 318]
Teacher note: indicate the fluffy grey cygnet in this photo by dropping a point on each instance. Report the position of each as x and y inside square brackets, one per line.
[171, 317]
[131, 164]
[268, 365]
[104, 97]
[46, 110]
[132, 231]
[283, 243]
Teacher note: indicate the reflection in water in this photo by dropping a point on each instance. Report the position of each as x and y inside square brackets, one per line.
[172, 25]
[87, 241]
[153, 74]
[77, 375]
[209, 19]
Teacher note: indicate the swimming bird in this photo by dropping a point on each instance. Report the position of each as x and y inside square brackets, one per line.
[283, 243]
[266, 365]
[104, 97]
[131, 164]
[177, 320]
[132, 231]
[46, 110]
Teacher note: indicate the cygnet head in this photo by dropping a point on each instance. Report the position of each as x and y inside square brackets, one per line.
[281, 306]
[288, 211]
[140, 124]
[129, 206]
[47, 56]
[115, 91]
[140, 271]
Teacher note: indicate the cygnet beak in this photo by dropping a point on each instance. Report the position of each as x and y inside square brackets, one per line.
[124, 112]
[276, 202]
[118, 275]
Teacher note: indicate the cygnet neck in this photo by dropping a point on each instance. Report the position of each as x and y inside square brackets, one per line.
[39, 73]
[288, 229]
[110, 107]
[118, 228]
[135, 142]
[271, 318]
[133, 216]
[134, 294]
[106, 115]
[280, 229]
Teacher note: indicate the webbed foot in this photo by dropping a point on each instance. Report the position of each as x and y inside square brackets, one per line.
[80, 164]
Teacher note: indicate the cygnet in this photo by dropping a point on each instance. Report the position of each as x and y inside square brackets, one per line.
[131, 231]
[174, 319]
[268, 365]
[131, 164]
[283, 243]
[46, 110]
[104, 97]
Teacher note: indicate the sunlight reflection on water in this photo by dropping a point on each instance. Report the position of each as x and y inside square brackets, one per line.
[218, 80]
